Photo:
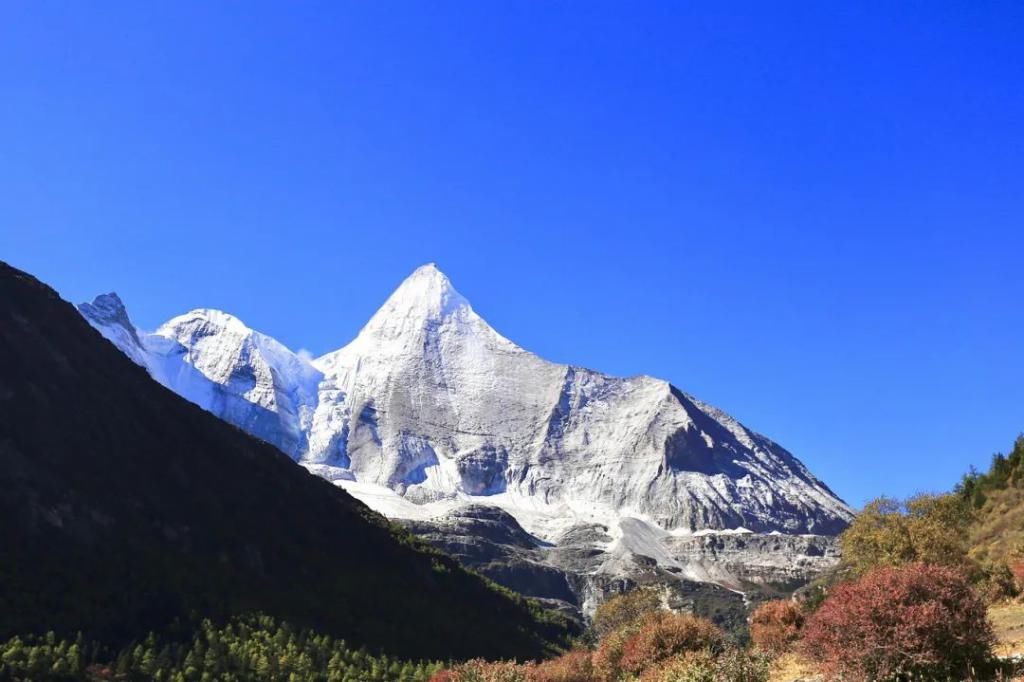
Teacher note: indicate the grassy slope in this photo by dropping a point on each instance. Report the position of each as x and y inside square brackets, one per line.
[1008, 621]
[998, 496]
[999, 530]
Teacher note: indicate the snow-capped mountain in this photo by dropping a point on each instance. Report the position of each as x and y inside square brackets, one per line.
[212, 359]
[430, 409]
[429, 400]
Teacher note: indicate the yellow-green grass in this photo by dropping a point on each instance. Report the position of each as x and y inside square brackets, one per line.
[1008, 622]
[790, 667]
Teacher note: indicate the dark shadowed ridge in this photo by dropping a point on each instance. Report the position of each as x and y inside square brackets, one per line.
[124, 509]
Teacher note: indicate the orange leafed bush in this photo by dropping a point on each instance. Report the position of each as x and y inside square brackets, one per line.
[918, 621]
[663, 635]
[691, 666]
[606, 659]
[623, 653]
[482, 671]
[574, 666]
[1017, 569]
[775, 625]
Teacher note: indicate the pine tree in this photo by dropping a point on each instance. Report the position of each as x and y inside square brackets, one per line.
[123, 665]
[148, 663]
[74, 657]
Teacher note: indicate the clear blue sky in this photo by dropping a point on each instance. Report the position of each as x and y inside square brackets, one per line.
[808, 214]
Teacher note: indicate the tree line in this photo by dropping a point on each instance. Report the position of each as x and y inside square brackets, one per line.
[257, 647]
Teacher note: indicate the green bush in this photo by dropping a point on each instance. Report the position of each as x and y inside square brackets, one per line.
[625, 609]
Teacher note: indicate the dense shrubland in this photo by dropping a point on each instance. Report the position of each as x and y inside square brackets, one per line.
[634, 638]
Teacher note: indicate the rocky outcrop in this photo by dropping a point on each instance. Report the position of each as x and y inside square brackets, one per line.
[714, 574]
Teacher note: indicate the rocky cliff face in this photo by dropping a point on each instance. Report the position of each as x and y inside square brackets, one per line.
[430, 413]
[714, 574]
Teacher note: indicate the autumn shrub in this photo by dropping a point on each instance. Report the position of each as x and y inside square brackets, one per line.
[731, 665]
[918, 621]
[625, 609]
[692, 666]
[573, 666]
[775, 625]
[741, 665]
[662, 635]
[995, 581]
[445, 675]
[1016, 567]
[607, 657]
[482, 671]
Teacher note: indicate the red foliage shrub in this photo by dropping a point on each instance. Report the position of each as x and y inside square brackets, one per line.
[775, 625]
[443, 676]
[663, 635]
[918, 620]
[1017, 569]
[574, 666]
[607, 657]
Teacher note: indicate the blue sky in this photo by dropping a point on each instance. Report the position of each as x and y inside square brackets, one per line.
[808, 214]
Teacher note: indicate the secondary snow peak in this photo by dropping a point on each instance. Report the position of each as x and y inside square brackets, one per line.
[106, 307]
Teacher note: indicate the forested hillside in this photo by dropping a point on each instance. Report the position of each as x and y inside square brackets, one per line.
[997, 497]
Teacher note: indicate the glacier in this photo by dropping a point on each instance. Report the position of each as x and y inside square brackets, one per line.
[429, 412]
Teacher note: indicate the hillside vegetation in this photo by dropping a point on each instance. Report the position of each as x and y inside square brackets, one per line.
[997, 496]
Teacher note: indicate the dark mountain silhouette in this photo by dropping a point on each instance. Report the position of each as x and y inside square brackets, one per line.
[124, 509]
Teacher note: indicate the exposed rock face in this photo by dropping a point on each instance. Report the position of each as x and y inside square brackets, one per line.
[739, 561]
[492, 542]
[429, 410]
[586, 564]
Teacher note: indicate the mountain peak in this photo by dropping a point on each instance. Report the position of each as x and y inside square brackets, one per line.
[428, 275]
[106, 305]
[108, 311]
[218, 319]
[426, 293]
